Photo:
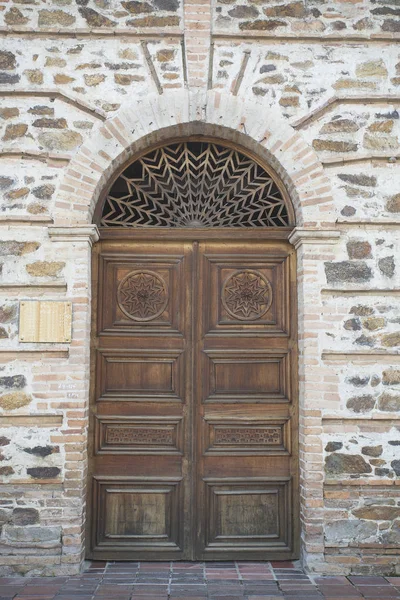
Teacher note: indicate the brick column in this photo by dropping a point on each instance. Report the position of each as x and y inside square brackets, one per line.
[75, 246]
[313, 248]
[197, 22]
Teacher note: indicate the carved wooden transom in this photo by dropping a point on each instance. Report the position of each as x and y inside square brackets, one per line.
[194, 184]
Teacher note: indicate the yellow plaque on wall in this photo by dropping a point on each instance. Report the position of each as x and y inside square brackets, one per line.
[45, 321]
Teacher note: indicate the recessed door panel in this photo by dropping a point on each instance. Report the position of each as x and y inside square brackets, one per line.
[250, 376]
[246, 295]
[137, 515]
[137, 374]
[147, 295]
[247, 516]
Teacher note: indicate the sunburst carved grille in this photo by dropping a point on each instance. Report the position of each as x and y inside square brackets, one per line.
[194, 184]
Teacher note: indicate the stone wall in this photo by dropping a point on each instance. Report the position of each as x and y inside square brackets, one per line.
[313, 88]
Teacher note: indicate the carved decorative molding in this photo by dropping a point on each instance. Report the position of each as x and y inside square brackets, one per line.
[74, 233]
[125, 434]
[300, 236]
[142, 295]
[248, 436]
[247, 295]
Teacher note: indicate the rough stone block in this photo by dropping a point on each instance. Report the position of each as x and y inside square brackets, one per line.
[344, 531]
[339, 464]
[25, 516]
[347, 271]
[30, 535]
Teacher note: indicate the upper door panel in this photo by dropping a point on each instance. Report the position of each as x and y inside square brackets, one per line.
[147, 296]
[247, 294]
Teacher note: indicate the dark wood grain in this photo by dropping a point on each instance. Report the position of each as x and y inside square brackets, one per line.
[193, 428]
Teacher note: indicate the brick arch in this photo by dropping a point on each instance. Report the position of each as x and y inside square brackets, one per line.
[254, 125]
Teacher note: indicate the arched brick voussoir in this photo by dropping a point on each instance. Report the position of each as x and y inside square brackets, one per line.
[271, 136]
[254, 124]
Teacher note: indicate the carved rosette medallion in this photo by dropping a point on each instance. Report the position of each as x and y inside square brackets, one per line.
[247, 295]
[142, 295]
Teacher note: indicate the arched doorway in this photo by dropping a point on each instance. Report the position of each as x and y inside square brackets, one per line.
[194, 394]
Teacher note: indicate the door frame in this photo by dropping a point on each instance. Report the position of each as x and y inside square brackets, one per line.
[193, 234]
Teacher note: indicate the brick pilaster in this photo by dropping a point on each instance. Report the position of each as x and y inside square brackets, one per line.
[197, 19]
[313, 247]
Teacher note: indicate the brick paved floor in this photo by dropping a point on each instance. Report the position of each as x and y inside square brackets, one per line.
[198, 581]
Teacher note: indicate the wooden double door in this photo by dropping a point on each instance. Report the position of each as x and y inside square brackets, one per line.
[193, 414]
